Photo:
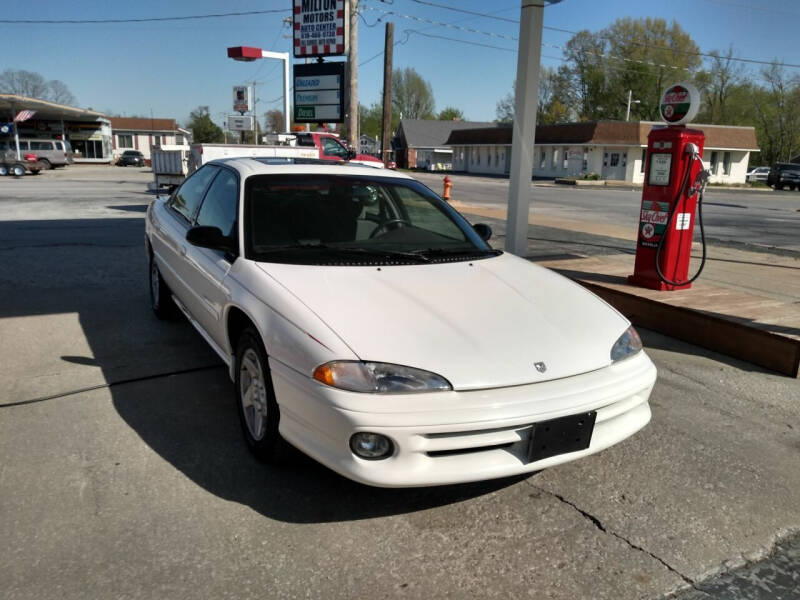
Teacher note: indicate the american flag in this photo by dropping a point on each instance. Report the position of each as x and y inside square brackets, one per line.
[24, 115]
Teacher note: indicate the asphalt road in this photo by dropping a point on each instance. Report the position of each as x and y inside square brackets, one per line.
[123, 473]
[750, 219]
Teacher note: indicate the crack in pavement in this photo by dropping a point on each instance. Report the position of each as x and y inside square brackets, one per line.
[111, 384]
[599, 525]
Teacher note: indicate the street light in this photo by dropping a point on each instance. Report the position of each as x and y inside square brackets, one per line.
[628, 113]
[247, 54]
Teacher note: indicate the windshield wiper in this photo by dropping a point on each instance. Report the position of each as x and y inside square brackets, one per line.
[347, 249]
[456, 252]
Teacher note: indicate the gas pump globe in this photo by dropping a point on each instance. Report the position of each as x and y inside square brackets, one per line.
[672, 191]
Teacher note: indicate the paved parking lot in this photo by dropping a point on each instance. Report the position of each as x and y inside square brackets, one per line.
[123, 472]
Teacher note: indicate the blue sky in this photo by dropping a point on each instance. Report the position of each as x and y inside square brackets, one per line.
[170, 68]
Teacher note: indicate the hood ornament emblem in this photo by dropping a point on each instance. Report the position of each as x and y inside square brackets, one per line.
[540, 366]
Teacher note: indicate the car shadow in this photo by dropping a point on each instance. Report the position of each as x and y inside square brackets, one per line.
[165, 382]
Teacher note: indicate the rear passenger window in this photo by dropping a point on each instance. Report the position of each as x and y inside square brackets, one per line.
[188, 197]
[219, 207]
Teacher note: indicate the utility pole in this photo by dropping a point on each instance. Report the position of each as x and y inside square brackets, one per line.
[255, 115]
[352, 60]
[388, 51]
[522, 145]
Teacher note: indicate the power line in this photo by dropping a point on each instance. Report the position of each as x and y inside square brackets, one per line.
[141, 20]
[442, 24]
[570, 31]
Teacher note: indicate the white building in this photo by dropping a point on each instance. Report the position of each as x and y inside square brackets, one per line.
[135, 133]
[611, 149]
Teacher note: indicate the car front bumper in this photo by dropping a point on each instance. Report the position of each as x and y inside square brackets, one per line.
[459, 436]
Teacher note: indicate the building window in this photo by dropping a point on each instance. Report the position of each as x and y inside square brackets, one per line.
[605, 159]
[542, 159]
[554, 161]
[624, 159]
[124, 140]
[614, 159]
[726, 163]
[714, 161]
[565, 158]
[478, 150]
[585, 160]
[644, 157]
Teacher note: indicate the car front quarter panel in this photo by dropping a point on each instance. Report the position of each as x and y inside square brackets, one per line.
[293, 335]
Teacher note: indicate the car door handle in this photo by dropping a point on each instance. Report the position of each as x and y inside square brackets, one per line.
[182, 250]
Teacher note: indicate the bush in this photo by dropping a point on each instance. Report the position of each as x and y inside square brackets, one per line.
[591, 176]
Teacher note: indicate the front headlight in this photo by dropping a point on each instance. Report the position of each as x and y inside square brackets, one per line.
[379, 378]
[628, 344]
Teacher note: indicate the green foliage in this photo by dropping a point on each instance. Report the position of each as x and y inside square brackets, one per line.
[204, 130]
[412, 96]
[450, 113]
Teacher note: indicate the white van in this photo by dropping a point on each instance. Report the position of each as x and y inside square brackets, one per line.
[51, 153]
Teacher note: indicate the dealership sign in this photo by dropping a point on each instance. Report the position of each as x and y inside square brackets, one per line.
[319, 93]
[320, 27]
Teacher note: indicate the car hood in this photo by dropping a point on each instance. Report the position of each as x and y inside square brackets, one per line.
[480, 324]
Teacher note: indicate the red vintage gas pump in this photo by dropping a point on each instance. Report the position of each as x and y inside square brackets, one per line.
[673, 188]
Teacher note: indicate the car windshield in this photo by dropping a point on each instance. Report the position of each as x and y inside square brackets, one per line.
[131, 153]
[353, 220]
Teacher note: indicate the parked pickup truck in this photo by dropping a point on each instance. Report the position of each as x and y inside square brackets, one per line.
[172, 164]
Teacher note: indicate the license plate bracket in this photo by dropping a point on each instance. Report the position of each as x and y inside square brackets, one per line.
[560, 436]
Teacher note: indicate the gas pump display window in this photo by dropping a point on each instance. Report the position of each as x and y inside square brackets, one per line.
[660, 165]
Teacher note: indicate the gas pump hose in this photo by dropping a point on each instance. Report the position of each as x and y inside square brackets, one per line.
[661, 275]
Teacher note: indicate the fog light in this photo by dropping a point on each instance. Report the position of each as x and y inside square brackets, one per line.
[371, 446]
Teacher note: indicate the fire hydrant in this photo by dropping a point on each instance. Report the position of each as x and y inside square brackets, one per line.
[447, 185]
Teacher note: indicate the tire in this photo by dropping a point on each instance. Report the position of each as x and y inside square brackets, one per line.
[46, 164]
[35, 171]
[3, 170]
[258, 410]
[160, 295]
[778, 186]
[18, 170]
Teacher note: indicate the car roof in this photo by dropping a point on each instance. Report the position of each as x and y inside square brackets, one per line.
[247, 166]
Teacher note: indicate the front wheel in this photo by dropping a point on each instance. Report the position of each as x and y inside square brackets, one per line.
[46, 165]
[258, 410]
[3, 170]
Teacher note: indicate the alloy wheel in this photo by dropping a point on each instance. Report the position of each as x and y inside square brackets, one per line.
[253, 394]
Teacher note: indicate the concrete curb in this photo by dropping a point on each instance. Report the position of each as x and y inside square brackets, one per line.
[757, 346]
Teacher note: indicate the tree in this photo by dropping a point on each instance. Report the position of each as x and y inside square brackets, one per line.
[777, 110]
[412, 96]
[204, 130]
[552, 93]
[59, 92]
[33, 85]
[274, 121]
[718, 87]
[637, 55]
[450, 113]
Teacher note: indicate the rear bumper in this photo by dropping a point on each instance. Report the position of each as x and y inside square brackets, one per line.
[454, 437]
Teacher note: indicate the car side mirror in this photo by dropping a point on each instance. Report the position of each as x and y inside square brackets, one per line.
[206, 236]
[351, 154]
[483, 230]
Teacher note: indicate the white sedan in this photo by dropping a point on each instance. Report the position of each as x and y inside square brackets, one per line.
[367, 323]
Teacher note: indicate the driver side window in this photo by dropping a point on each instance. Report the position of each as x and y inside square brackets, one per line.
[187, 198]
[333, 148]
